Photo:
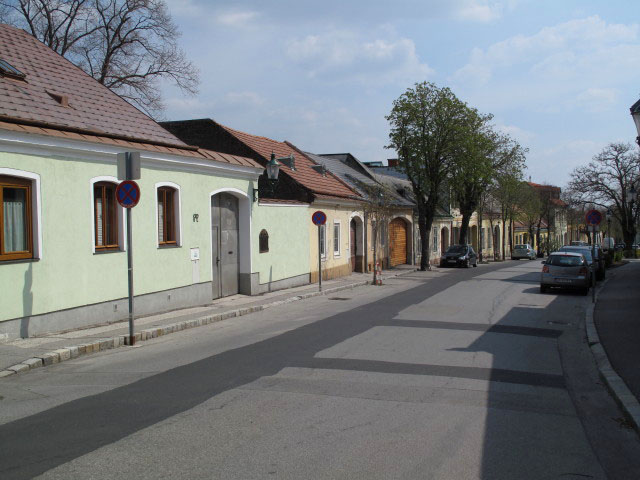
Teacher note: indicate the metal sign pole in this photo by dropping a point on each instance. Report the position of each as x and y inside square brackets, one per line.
[593, 255]
[132, 337]
[319, 260]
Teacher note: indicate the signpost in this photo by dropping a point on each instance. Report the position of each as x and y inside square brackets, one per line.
[319, 218]
[128, 196]
[592, 219]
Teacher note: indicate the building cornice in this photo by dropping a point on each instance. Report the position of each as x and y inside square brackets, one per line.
[48, 146]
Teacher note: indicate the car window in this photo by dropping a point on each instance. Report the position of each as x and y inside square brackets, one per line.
[457, 249]
[581, 250]
[521, 247]
[565, 261]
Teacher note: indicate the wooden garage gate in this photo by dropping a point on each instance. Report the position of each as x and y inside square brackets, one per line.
[397, 242]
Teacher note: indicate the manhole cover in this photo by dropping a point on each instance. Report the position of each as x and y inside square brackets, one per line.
[339, 298]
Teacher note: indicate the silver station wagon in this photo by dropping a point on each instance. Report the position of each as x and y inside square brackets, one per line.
[523, 251]
[565, 270]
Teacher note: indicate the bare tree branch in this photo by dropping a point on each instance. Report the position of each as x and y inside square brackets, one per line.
[127, 45]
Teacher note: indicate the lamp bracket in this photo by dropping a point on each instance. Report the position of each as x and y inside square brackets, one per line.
[289, 161]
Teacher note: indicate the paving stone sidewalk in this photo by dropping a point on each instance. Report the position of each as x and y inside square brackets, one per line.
[22, 355]
[613, 330]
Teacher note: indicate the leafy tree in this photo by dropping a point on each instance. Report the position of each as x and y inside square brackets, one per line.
[427, 125]
[505, 190]
[126, 45]
[607, 182]
[483, 153]
[529, 209]
[473, 169]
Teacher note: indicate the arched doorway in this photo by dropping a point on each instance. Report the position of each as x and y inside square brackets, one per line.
[225, 245]
[398, 241]
[356, 244]
[444, 240]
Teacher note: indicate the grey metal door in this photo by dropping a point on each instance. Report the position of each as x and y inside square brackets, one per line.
[224, 231]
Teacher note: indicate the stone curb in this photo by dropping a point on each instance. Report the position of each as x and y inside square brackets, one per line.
[616, 386]
[67, 353]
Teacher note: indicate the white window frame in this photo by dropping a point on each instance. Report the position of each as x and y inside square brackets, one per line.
[36, 210]
[177, 212]
[122, 221]
[336, 253]
[436, 234]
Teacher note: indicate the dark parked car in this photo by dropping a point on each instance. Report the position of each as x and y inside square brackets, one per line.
[460, 256]
[565, 270]
[597, 263]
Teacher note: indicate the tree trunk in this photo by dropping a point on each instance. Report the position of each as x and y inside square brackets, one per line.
[424, 237]
[503, 239]
[374, 234]
[463, 238]
[480, 230]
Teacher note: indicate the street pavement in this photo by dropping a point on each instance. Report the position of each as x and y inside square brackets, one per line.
[617, 319]
[17, 351]
[453, 374]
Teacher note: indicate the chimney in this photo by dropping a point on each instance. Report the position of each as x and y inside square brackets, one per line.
[393, 162]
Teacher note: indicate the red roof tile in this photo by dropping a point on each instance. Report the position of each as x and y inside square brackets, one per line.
[305, 175]
[93, 108]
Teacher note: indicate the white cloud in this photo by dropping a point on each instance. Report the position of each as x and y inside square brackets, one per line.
[517, 133]
[246, 98]
[341, 55]
[479, 10]
[571, 48]
[579, 64]
[598, 99]
[237, 19]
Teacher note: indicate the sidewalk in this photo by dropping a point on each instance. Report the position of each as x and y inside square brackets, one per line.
[617, 320]
[24, 354]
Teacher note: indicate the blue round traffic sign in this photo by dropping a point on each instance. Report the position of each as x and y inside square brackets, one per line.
[593, 217]
[128, 194]
[319, 218]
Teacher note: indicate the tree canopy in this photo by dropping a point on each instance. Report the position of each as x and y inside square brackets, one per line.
[607, 182]
[428, 124]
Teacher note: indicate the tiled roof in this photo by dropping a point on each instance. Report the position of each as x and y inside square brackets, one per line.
[335, 164]
[544, 187]
[281, 201]
[303, 174]
[129, 144]
[92, 108]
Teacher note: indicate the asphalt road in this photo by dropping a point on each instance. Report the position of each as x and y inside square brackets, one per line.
[461, 374]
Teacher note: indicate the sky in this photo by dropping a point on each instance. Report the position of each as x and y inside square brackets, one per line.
[558, 76]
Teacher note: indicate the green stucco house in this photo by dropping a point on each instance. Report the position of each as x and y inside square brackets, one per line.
[199, 232]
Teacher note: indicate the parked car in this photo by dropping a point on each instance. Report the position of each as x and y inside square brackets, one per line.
[460, 256]
[523, 251]
[620, 246]
[608, 243]
[565, 270]
[596, 263]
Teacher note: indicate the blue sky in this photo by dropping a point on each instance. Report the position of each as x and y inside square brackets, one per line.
[559, 76]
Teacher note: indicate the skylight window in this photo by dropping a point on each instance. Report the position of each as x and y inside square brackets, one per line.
[8, 70]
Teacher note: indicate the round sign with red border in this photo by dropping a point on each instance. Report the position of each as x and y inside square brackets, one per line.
[128, 194]
[593, 217]
[319, 218]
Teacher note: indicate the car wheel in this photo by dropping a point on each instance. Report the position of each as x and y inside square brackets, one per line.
[543, 289]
